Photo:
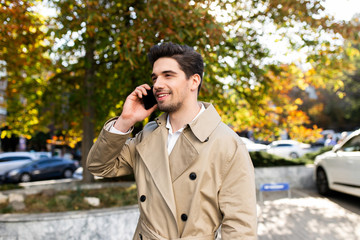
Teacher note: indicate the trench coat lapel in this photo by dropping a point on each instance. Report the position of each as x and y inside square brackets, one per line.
[181, 157]
[153, 151]
[187, 147]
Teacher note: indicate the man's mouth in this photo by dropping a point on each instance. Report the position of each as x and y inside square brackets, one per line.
[161, 96]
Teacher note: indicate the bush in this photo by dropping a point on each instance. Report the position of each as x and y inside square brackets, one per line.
[264, 159]
[312, 155]
[72, 200]
[5, 187]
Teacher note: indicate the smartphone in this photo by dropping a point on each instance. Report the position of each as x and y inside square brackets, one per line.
[149, 100]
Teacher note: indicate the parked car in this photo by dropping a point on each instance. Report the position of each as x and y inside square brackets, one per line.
[43, 169]
[288, 148]
[11, 160]
[339, 169]
[252, 146]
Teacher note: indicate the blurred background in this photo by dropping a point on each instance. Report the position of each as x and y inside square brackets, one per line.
[274, 69]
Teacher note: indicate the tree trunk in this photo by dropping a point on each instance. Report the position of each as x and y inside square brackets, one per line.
[88, 108]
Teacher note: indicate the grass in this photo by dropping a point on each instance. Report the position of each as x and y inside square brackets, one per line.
[5, 187]
[68, 200]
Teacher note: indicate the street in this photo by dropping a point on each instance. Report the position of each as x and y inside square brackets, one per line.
[307, 215]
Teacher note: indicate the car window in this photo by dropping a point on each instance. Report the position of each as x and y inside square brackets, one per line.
[284, 145]
[43, 162]
[50, 161]
[6, 159]
[353, 145]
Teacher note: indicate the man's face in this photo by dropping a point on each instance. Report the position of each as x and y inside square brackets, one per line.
[171, 87]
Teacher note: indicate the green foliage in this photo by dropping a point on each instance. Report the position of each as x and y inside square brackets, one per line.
[69, 200]
[264, 159]
[23, 58]
[5, 187]
[339, 109]
[310, 157]
[98, 56]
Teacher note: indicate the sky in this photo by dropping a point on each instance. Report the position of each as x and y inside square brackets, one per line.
[342, 9]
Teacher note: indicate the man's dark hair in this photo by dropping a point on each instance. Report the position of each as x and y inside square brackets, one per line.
[190, 61]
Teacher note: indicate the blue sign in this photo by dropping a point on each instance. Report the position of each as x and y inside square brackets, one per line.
[267, 187]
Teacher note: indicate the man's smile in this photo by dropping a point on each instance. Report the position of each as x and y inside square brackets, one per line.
[161, 96]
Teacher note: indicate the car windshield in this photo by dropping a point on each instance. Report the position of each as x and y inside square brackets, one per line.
[353, 145]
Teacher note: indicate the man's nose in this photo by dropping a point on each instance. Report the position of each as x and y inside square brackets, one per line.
[159, 83]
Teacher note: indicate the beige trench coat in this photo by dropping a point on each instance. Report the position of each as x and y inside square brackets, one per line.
[207, 181]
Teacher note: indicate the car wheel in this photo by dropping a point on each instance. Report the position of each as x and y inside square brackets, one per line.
[25, 177]
[294, 155]
[322, 183]
[68, 173]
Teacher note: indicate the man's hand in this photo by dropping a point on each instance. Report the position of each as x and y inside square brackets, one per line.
[133, 109]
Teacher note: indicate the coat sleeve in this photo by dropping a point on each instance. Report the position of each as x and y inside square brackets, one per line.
[237, 197]
[111, 155]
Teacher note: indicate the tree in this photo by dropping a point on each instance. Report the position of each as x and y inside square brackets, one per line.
[258, 96]
[22, 60]
[104, 57]
[336, 105]
[100, 48]
[104, 43]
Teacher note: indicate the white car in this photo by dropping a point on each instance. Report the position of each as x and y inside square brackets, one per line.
[339, 169]
[11, 160]
[252, 146]
[288, 148]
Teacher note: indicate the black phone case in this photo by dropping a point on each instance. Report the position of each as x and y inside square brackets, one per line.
[149, 100]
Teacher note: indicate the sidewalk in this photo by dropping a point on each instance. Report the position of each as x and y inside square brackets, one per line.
[304, 217]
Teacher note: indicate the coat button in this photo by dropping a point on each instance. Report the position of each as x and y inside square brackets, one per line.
[207, 139]
[142, 198]
[184, 217]
[192, 176]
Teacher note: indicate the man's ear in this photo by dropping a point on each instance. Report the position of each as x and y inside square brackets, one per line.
[195, 82]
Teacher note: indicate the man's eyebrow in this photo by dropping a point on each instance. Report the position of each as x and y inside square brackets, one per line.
[164, 72]
[169, 71]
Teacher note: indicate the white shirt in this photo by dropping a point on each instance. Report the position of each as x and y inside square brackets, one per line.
[172, 137]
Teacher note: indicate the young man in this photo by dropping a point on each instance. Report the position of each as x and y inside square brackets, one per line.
[193, 173]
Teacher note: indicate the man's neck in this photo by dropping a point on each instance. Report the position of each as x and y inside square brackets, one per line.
[184, 116]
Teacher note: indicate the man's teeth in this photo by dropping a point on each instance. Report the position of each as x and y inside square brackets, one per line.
[162, 95]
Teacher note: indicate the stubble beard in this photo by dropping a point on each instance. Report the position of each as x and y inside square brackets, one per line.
[169, 108]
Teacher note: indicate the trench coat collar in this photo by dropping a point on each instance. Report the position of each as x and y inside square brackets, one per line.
[205, 124]
[201, 127]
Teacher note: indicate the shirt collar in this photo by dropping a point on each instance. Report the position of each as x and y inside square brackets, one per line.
[203, 126]
[168, 125]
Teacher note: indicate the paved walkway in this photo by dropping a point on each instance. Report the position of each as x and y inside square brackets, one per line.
[305, 217]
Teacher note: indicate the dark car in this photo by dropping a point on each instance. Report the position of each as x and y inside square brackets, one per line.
[42, 169]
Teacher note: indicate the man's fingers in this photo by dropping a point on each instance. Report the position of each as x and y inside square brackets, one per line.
[138, 92]
[141, 90]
